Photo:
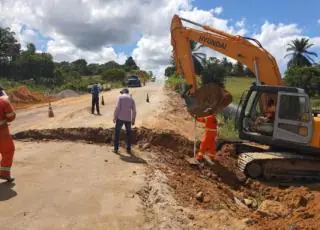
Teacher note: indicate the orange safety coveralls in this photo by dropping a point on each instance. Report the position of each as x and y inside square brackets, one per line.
[208, 142]
[7, 147]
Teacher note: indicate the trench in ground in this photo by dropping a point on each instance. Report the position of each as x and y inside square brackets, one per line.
[220, 183]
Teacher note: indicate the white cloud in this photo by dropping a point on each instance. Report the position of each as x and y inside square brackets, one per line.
[153, 53]
[218, 10]
[62, 50]
[204, 17]
[318, 21]
[316, 42]
[275, 38]
[241, 23]
[154, 49]
[90, 28]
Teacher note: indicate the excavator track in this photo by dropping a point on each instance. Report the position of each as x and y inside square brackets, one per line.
[261, 162]
[279, 166]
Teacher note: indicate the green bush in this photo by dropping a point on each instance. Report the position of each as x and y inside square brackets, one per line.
[227, 129]
[175, 82]
[113, 75]
[169, 71]
[315, 102]
[307, 78]
[213, 73]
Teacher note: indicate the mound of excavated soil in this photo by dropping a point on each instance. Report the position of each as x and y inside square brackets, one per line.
[158, 139]
[23, 96]
[67, 93]
[209, 187]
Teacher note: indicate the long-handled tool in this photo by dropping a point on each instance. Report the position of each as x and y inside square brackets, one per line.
[193, 161]
[195, 138]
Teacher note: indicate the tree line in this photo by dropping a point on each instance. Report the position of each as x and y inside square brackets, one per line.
[302, 71]
[28, 65]
[229, 68]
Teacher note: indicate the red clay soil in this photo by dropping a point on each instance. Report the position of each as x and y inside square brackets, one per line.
[220, 183]
[223, 182]
[23, 97]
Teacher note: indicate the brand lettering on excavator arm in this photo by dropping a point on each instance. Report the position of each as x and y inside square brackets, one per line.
[213, 42]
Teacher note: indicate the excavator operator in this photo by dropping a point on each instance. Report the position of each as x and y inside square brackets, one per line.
[208, 142]
[264, 124]
[271, 110]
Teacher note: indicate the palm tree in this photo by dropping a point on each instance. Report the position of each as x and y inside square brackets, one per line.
[31, 48]
[298, 49]
[198, 58]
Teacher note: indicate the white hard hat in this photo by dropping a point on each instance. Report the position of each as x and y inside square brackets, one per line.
[3, 95]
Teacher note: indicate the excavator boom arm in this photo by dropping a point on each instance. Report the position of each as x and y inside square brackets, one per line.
[255, 57]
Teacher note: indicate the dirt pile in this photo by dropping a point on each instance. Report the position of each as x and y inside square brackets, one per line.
[23, 96]
[161, 140]
[67, 93]
[222, 189]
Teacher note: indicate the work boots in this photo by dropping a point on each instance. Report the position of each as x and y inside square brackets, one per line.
[200, 156]
[8, 179]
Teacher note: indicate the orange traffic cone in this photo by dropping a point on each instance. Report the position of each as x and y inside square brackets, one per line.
[147, 98]
[51, 114]
[102, 101]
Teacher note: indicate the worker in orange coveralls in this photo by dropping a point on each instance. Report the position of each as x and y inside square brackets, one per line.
[208, 142]
[7, 147]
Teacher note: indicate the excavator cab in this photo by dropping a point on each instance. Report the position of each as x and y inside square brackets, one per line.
[291, 123]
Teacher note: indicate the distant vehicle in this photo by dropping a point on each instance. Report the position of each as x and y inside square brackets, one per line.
[133, 81]
[153, 79]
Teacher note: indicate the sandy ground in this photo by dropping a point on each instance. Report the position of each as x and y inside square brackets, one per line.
[76, 111]
[71, 186]
[64, 185]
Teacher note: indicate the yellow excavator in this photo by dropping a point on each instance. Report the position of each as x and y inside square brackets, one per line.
[284, 147]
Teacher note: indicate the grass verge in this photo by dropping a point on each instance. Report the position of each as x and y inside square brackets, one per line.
[80, 85]
[226, 129]
[237, 85]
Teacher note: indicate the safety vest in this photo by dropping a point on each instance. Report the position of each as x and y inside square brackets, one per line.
[6, 115]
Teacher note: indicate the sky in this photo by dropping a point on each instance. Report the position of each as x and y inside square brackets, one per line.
[104, 30]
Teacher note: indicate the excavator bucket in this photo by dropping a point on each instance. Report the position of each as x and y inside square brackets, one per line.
[209, 99]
